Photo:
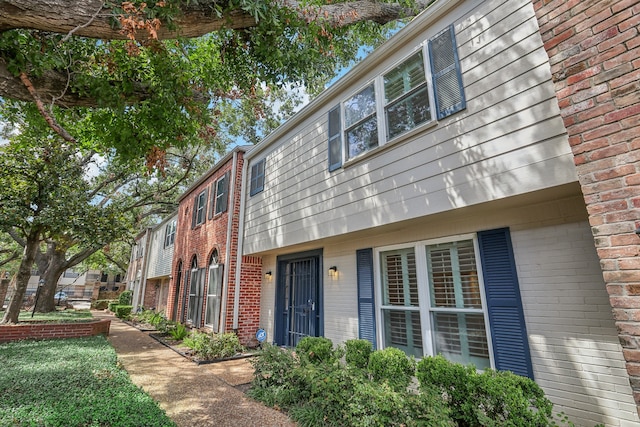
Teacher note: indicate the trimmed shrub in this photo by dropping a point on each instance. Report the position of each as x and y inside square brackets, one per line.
[453, 380]
[490, 398]
[123, 311]
[125, 298]
[113, 305]
[101, 304]
[380, 405]
[393, 366]
[504, 398]
[277, 379]
[316, 350]
[210, 346]
[358, 353]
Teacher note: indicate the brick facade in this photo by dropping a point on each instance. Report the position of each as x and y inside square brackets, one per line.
[594, 51]
[53, 330]
[198, 243]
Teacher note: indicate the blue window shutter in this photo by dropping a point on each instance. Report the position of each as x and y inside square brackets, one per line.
[504, 305]
[257, 177]
[446, 74]
[366, 301]
[335, 139]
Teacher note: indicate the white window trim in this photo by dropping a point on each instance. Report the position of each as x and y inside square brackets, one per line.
[424, 300]
[217, 196]
[201, 208]
[378, 84]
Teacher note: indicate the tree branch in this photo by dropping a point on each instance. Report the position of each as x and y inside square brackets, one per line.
[196, 18]
[51, 121]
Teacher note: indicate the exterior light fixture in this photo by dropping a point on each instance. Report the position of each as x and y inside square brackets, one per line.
[267, 275]
[333, 270]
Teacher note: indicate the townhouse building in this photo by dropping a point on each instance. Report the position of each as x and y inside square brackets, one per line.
[210, 286]
[150, 265]
[429, 201]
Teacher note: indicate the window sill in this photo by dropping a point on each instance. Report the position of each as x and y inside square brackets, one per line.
[395, 141]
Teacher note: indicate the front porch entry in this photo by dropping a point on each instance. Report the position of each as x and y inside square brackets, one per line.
[299, 308]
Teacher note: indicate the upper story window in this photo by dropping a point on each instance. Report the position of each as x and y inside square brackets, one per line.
[257, 178]
[360, 121]
[170, 233]
[406, 96]
[222, 194]
[199, 208]
[425, 86]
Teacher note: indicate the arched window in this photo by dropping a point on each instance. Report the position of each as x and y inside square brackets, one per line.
[196, 288]
[214, 292]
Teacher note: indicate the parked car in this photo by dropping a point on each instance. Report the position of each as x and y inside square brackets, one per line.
[60, 297]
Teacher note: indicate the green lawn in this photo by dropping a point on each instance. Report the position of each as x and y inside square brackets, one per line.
[61, 315]
[71, 382]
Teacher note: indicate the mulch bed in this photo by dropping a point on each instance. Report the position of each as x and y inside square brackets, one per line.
[176, 345]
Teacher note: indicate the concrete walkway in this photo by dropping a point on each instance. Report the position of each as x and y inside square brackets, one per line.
[192, 395]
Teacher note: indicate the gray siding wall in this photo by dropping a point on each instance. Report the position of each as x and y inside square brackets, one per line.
[510, 140]
[160, 258]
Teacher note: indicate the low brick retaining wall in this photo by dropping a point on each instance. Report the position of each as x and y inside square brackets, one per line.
[23, 331]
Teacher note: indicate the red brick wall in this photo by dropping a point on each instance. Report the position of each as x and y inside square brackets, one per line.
[201, 241]
[249, 310]
[150, 291]
[594, 50]
[53, 330]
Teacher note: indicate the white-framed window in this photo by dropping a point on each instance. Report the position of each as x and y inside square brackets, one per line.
[170, 233]
[214, 293]
[221, 194]
[432, 300]
[406, 96]
[360, 122]
[425, 86]
[200, 208]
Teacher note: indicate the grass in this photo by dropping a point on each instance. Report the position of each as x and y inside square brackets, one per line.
[54, 316]
[71, 382]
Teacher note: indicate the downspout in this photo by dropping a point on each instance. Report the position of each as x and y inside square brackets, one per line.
[236, 296]
[145, 266]
[227, 257]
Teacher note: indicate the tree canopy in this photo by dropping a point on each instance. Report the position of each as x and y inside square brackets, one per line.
[145, 76]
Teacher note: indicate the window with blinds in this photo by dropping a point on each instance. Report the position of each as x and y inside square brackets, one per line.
[424, 87]
[406, 96]
[456, 303]
[400, 301]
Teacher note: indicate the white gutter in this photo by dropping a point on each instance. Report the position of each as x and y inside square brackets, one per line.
[227, 258]
[427, 17]
[239, 253]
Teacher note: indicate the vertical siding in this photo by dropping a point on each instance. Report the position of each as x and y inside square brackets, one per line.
[510, 140]
[575, 350]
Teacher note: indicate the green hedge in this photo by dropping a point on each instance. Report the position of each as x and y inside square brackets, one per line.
[101, 304]
[113, 305]
[125, 298]
[123, 311]
[316, 388]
